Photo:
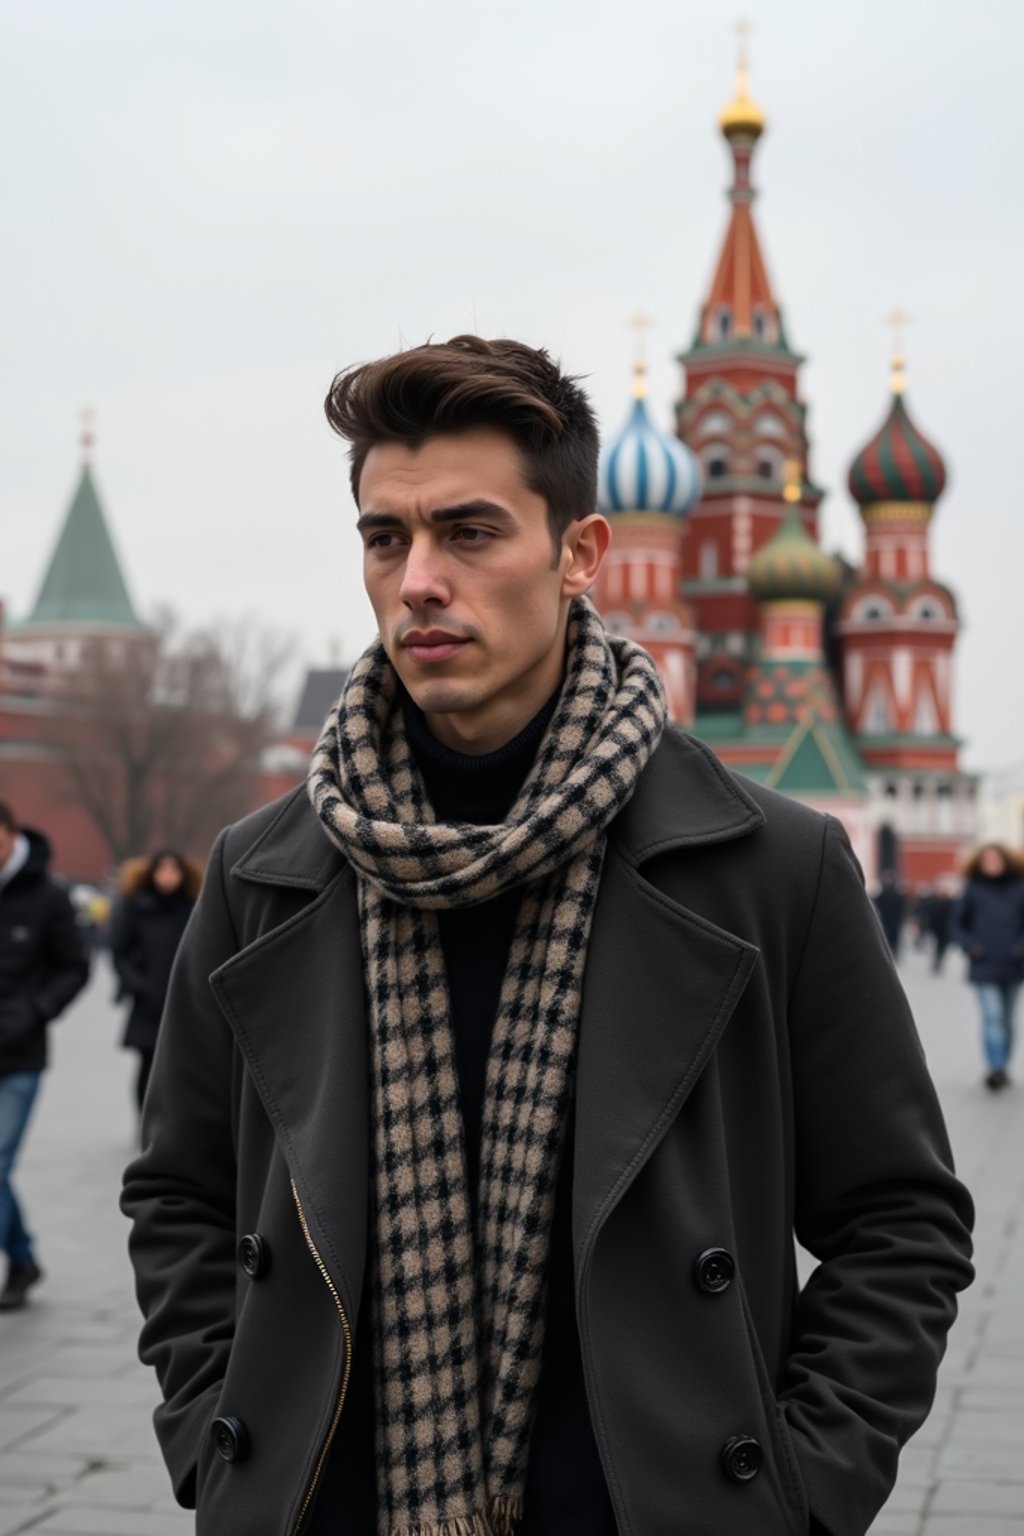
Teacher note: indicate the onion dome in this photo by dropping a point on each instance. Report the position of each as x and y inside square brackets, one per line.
[791, 565]
[899, 463]
[643, 470]
[742, 118]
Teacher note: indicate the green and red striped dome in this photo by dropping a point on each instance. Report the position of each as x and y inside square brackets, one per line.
[899, 464]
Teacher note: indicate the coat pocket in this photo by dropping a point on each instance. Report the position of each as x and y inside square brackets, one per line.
[782, 1435]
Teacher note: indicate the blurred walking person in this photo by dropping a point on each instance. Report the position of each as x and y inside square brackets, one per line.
[157, 897]
[891, 906]
[940, 920]
[988, 924]
[43, 966]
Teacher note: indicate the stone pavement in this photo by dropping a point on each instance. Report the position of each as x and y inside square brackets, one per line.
[77, 1455]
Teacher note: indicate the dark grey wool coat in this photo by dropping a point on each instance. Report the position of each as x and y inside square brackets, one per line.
[748, 1069]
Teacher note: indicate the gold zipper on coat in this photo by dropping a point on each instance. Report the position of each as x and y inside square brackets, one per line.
[347, 1333]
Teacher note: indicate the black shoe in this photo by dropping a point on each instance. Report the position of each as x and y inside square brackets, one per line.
[20, 1279]
[996, 1079]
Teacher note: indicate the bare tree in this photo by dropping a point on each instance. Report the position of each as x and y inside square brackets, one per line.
[161, 735]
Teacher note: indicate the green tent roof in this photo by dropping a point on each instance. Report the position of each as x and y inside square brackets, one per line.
[819, 758]
[84, 583]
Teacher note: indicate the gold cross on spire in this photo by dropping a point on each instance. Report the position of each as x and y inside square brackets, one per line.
[638, 325]
[88, 435]
[898, 320]
[743, 31]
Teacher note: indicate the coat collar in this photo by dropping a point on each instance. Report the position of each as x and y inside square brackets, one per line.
[684, 797]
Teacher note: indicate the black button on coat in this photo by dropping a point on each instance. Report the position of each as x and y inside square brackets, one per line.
[747, 1069]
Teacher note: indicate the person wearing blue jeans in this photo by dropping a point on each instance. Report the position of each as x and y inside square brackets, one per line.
[997, 1003]
[988, 924]
[18, 1092]
[43, 966]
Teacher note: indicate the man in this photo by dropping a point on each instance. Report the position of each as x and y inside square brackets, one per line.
[43, 966]
[494, 1082]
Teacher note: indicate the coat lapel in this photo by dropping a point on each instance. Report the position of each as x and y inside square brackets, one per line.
[661, 982]
[296, 1002]
[660, 986]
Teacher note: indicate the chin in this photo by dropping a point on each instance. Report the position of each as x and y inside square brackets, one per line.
[438, 696]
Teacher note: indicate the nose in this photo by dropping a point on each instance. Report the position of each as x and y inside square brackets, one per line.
[423, 578]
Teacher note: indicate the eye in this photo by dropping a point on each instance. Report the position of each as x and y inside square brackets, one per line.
[471, 535]
[381, 541]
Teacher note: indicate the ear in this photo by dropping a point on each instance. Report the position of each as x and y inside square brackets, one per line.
[585, 543]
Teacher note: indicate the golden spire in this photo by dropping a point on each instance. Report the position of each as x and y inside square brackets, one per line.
[742, 116]
[638, 325]
[898, 320]
[87, 437]
[792, 490]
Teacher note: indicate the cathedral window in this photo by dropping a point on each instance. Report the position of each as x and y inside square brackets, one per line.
[714, 424]
[708, 560]
[769, 463]
[662, 623]
[927, 608]
[872, 608]
[723, 324]
[768, 425]
[716, 462]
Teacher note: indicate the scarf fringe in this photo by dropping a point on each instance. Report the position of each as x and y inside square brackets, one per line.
[505, 1514]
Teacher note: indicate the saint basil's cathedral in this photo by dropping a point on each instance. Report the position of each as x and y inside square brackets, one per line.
[829, 683]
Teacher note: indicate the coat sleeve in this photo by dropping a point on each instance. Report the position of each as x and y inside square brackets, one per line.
[67, 962]
[877, 1204]
[179, 1193]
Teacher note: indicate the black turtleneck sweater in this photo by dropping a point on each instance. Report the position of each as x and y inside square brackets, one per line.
[566, 1494]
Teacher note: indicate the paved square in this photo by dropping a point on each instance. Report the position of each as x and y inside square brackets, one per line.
[77, 1454]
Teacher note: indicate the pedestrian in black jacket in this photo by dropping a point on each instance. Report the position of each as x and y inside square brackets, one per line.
[988, 924]
[157, 897]
[43, 965]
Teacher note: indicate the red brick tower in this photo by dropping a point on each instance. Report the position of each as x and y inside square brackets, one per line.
[742, 415]
[897, 629]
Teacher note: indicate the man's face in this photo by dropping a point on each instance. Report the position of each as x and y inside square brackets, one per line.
[459, 565]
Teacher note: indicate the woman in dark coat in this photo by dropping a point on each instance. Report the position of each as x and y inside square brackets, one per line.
[988, 924]
[157, 897]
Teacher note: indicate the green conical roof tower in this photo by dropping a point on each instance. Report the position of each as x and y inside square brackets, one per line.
[84, 583]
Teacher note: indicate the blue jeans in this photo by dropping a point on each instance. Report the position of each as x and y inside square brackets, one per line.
[17, 1096]
[997, 1001]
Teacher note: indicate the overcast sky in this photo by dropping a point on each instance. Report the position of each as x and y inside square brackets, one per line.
[209, 206]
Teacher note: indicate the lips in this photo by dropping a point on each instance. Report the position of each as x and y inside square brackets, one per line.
[433, 645]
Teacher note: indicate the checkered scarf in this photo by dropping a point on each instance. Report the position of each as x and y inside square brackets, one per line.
[458, 1315]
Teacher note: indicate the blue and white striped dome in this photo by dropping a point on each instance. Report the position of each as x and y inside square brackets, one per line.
[642, 470]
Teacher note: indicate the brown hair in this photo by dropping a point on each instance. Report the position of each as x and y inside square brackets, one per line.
[136, 875]
[454, 386]
[7, 820]
[1012, 861]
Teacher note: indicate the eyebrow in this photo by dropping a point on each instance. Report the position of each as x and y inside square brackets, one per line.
[480, 507]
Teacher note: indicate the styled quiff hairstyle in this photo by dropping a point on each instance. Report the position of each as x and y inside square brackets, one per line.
[444, 388]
